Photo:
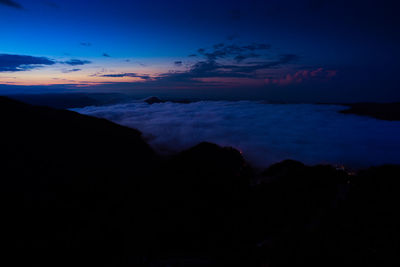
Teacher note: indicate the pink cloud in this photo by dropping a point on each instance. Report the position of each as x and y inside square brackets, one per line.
[302, 76]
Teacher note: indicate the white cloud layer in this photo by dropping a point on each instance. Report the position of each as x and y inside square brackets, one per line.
[265, 133]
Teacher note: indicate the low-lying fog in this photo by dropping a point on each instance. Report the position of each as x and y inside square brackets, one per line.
[265, 133]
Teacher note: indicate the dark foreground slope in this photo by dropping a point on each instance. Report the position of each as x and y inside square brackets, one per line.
[77, 190]
[67, 181]
[382, 111]
[70, 100]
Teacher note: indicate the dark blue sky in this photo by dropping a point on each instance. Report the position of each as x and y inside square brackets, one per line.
[311, 50]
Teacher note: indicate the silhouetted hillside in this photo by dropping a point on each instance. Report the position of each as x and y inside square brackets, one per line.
[68, 181]
[77, 190]
[70, 100]
[383, 111]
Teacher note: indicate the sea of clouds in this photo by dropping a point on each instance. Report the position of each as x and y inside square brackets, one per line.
[265, 133]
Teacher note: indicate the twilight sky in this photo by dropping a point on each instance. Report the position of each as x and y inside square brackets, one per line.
[280, 50]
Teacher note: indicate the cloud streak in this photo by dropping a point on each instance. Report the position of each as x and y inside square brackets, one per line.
[119, 75]
[76, 62]
[212, 69]
[85, 44]
[72, 70]
[11, 3]
[301, 76]
[14, 63]
[178, 63]
[239, 52]
[217, 66]
[225, 61]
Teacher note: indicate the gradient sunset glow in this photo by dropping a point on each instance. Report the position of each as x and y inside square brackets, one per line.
[275, 51]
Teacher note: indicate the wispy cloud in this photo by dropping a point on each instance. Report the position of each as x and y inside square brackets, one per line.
[119, 75]
[238, 52]
[211, 68]
[72, 70]
[11, 3]
[301, 76]
[85, 44]
[76, 62]
[178, 63]
[12, 63]
[220, 61]
[209, 65]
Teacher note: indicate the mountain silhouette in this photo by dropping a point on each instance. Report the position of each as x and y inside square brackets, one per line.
[78, 190]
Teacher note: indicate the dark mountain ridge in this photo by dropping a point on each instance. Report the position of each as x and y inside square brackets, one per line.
[82, 190]
[70, 100]
[382, 111]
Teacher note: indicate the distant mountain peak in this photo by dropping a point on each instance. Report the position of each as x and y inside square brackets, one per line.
[153, 100]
